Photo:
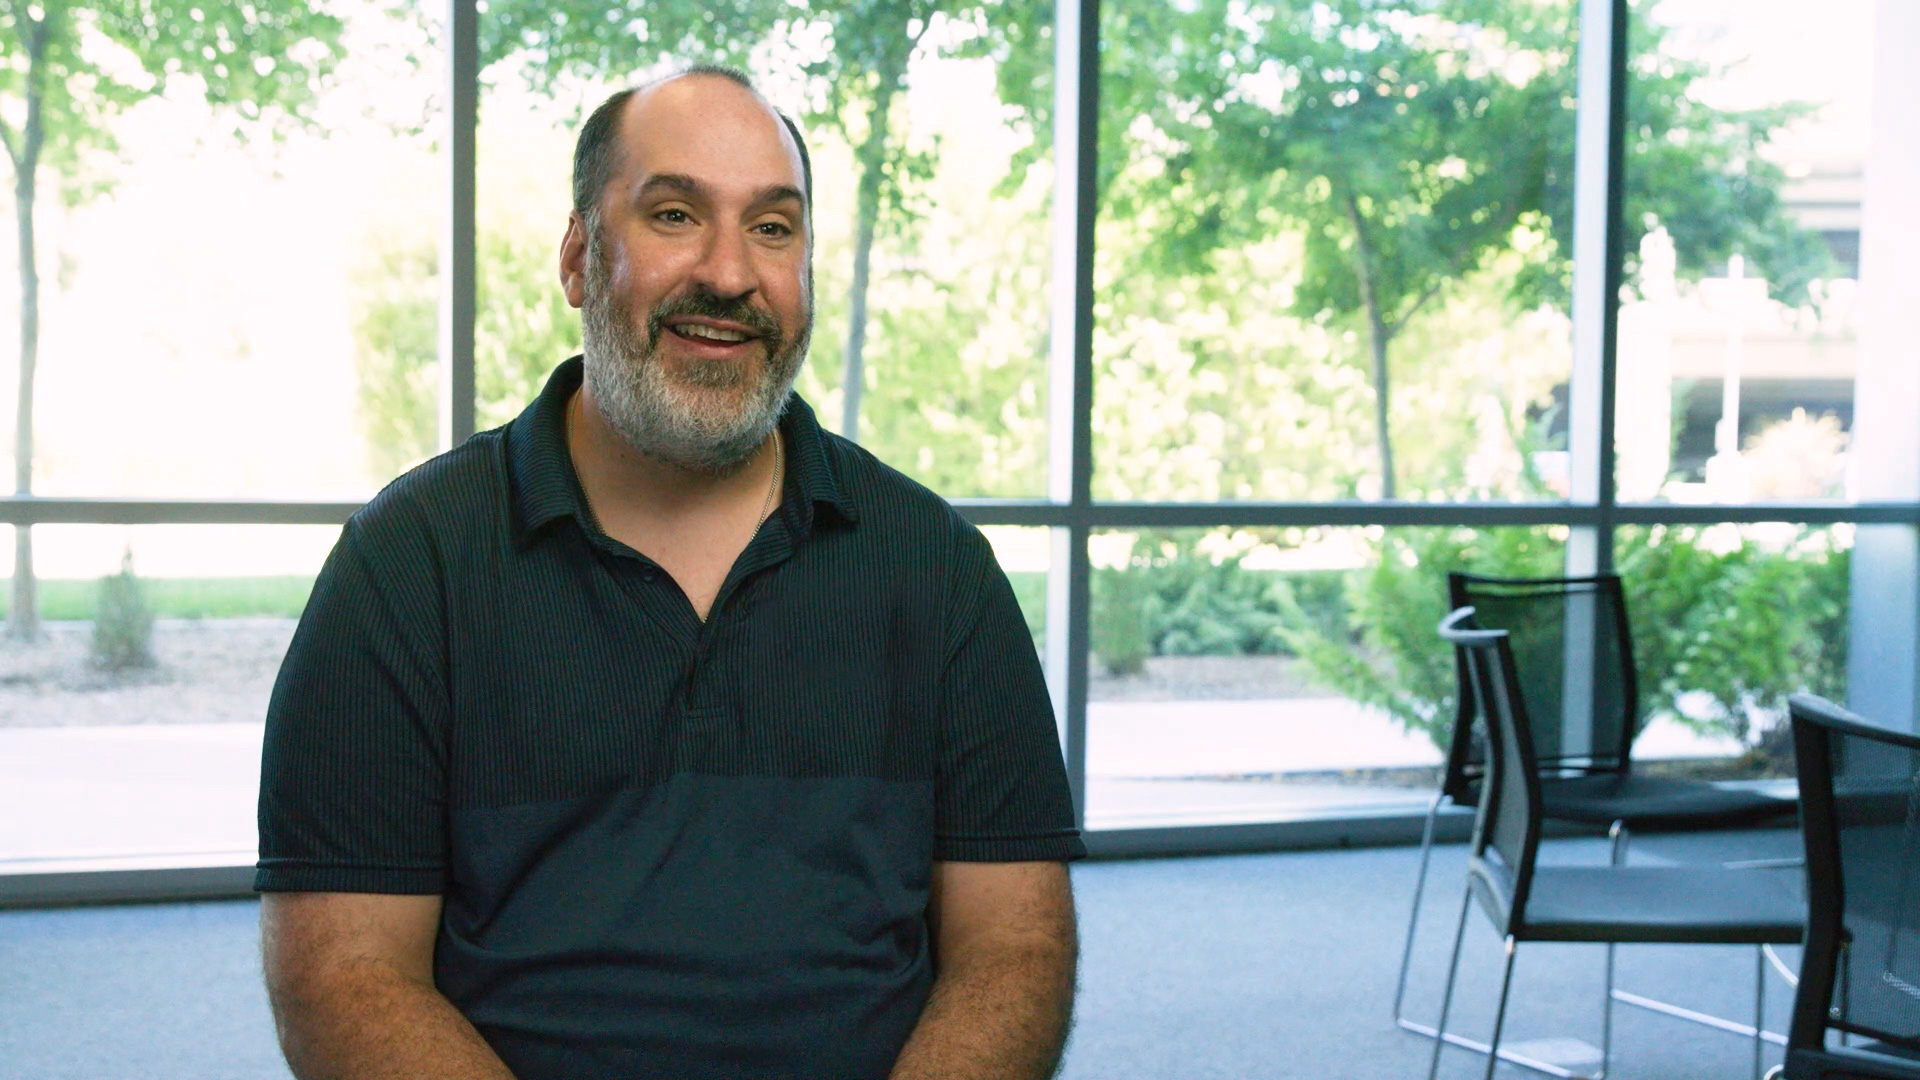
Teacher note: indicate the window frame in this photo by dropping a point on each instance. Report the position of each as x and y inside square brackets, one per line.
[1591, 515]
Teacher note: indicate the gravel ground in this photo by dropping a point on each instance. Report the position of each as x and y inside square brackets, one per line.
[209, 671]
[222, 670]
[1208, 678]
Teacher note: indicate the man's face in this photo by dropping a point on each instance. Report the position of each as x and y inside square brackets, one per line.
[694, 287]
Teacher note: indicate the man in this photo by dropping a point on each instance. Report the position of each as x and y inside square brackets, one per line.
[660, 733]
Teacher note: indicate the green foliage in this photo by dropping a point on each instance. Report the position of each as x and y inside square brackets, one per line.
[73, 67]
[396, 313]
[1745, 623]
[1385, 652]
[523, 329]
[1733, 626]
[1120, 620]
[123, 624]
[1408, 148]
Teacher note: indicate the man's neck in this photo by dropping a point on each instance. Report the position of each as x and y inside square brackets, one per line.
[624, 485]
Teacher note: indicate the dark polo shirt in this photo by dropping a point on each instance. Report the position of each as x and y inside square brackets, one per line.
[668, 848]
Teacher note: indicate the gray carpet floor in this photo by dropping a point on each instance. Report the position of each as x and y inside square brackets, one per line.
[1246, 966]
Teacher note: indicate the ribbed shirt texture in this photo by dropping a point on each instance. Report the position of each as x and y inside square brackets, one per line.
[667, 847]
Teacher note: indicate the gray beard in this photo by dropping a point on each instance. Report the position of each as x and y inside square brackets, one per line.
[680, 418]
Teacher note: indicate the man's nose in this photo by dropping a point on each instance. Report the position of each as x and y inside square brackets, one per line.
[726, 265]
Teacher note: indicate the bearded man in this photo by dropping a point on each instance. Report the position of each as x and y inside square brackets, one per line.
[661, 733]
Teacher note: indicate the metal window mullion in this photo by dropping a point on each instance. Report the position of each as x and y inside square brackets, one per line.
[458, 270]
[1070, 385]
[1598, 253]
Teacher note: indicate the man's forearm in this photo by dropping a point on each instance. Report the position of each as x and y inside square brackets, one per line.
[1000, 1015]
[371, 1022]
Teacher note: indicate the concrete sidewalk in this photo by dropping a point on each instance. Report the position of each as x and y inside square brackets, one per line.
[184, 794]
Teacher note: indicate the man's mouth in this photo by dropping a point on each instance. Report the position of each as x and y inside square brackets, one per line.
[702, 332]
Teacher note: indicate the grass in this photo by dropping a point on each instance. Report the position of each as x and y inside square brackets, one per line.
[283, 596]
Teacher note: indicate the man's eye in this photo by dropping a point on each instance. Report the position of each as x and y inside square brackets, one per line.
[673, 217]
[773, 228]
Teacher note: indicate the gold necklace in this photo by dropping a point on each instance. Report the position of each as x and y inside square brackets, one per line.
[773, 488]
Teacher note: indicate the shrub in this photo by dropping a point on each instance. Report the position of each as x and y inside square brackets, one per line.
[123, 624]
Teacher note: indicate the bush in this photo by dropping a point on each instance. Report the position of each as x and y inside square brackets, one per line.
[123, 624]
[1120, 620]
[1733, 625]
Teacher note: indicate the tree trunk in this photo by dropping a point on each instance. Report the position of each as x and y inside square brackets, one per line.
[1379, 335]
[872, 160]
[23, 617]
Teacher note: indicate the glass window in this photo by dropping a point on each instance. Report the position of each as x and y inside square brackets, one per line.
[130, 732]
[931, 215]
[1267, 674]
[216, 313]
[1334, 247]
[1747, 148]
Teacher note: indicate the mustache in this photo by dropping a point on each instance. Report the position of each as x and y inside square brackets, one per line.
[759, 322]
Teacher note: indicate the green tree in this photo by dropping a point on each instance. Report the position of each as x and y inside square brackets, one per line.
[523, 324]
[857, 84]
[68, 69]
[1407, 144]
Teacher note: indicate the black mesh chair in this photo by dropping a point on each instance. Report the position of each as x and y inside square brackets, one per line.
[1606, 904]
[1857, 1013]
[1574, 658]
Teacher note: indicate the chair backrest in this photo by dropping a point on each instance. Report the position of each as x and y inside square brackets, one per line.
[1860, 810]
[1506, 829]
[1574, 662]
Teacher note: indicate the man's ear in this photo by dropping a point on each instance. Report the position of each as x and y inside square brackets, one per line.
[573, 260]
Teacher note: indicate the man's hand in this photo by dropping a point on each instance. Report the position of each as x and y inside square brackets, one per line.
[1004, 954]
[350, 976]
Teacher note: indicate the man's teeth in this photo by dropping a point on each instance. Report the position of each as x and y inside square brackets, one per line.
[711, 333]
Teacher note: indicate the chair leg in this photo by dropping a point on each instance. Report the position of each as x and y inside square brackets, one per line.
[1446, 998]
[1621, 836]
[1759, 1008]
[1606, 1019]
[1500, 1012]
[1413, 920]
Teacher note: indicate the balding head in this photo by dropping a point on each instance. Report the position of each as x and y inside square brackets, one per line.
[601, 150]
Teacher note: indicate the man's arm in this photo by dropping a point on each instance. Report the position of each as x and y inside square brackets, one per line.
[1004, 953]
[350, 976]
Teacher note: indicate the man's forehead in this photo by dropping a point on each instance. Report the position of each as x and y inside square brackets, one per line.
[700, 123]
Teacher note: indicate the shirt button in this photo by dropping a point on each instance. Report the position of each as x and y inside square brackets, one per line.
[647, 574]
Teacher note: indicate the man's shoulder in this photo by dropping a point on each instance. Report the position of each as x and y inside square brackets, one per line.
[455, 491]
[886, 497]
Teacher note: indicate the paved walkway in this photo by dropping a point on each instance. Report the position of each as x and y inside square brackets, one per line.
[184, 794]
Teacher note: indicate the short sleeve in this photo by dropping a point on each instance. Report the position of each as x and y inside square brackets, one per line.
[1001, 786]
[352, 773]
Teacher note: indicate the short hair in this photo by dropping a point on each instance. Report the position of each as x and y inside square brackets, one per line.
[597, 151]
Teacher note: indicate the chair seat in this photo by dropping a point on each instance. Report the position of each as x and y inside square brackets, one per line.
[1656, 802]
[1704, 905]
[1861, 1061]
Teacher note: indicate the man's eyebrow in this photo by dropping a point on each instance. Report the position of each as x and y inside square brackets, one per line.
[680, 182]
[687, 185]
[775, 193]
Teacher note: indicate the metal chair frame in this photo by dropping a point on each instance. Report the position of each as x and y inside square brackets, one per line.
[1826, 960]
[1486, 656]
[1462, 773]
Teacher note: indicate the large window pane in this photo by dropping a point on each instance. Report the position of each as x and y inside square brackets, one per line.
[216, 311]
[130, 733]
[951, 329]
[1259, 675]
[1334, 244]
[1748, 139]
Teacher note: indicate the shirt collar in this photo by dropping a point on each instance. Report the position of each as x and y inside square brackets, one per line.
[546, 488]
